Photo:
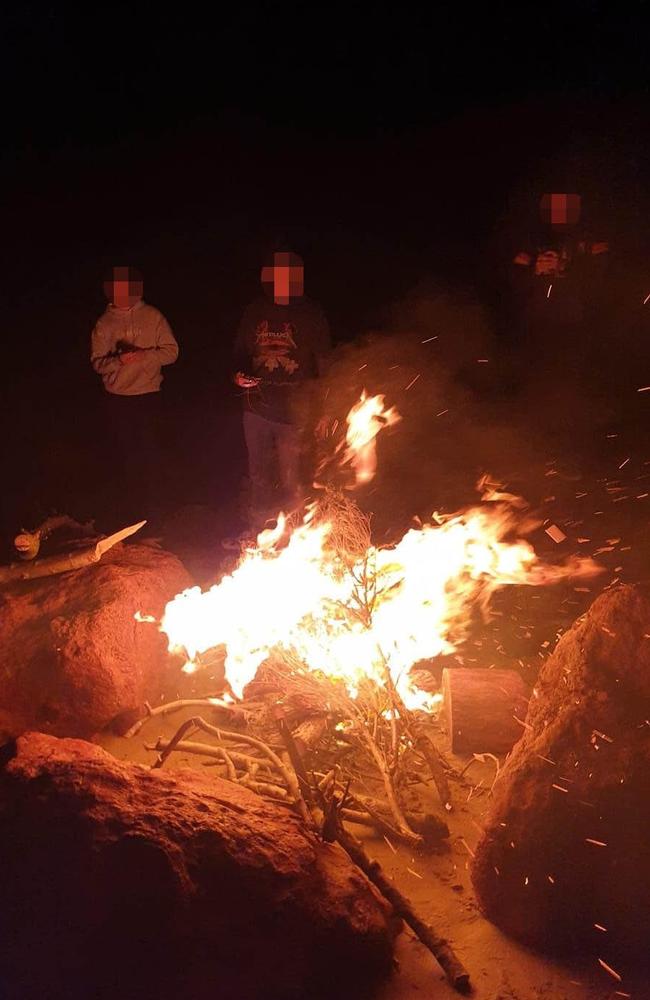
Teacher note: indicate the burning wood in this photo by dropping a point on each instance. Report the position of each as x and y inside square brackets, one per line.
[346, 607]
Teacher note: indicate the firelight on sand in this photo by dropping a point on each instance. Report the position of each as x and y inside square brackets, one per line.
[389, 609]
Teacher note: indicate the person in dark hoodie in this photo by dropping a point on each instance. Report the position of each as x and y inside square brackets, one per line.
[280, 349]
[130, 343]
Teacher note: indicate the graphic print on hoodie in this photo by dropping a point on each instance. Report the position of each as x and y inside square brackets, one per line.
[283, 346]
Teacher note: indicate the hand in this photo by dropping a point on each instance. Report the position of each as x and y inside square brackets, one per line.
[129, 357]
[246, 381]
[547, 263]
[321, 430]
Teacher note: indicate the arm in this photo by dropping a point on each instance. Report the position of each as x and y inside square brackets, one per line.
[100, 350]
[166, 345]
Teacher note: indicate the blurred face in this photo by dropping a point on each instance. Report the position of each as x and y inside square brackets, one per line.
[560, 210]
[284, 280]
[124, 290]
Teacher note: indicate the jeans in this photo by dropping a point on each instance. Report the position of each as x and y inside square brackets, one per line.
[133, 428]
[273, 467]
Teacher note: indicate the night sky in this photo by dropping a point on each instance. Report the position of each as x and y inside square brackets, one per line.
[387, 145]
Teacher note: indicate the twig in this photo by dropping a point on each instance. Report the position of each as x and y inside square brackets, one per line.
[413, 838]
[288, 777]
[175, 706]
[421, 740]
[454, 970]
[207, 750]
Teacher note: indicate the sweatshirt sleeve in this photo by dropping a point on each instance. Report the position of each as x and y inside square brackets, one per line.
[166, 345]
[100, 347]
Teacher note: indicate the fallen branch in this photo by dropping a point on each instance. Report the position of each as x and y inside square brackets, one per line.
[423, 743]
[175, 706]
[414, 839]
[64, 563]
[206, 750]
[286, 773]
[454, 970]
[28, 543]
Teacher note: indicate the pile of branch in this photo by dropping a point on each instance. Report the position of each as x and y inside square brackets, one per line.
[300, 739]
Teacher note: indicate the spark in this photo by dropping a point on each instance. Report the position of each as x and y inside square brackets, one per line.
[139, 617]
[559, 788]
[468, 848]
[390, 845]
[612, 972]
[598, 843]
[428, 340]
[624, 463]
[442, 413]
[548, 294]
[415, 873]
[646, 388]
[646, 299]
[412, 382]
[600, 927]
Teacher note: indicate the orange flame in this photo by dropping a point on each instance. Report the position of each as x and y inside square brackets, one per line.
[365, 420]
[418, 599]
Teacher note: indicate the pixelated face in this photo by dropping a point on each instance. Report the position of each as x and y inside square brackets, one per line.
[284, 279]
[125, 289]
[560, 210]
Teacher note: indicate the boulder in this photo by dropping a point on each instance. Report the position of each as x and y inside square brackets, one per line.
[72, 656]
[565, 850]
[122, 881]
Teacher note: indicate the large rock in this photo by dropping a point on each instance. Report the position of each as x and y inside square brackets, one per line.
[120, 881]
[579, 778]
[72, 657]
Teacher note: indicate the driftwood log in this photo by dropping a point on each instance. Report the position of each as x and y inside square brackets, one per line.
[484, 709]
[66, 561]
[27, 543]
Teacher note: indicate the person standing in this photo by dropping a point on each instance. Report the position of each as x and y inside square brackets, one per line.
[280, 349]
[130, 343]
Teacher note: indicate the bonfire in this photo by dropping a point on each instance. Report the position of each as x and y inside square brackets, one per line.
[321, 628]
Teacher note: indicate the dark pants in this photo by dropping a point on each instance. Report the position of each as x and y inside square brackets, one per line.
[137, 469]
[273, 467]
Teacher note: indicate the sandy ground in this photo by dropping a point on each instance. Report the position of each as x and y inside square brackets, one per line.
[440, 887]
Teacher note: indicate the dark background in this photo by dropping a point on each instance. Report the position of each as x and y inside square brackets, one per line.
[394, 148]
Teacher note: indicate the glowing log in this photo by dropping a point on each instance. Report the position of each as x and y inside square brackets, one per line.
[484, 709]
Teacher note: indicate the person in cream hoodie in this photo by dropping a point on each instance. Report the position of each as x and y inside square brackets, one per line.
[130, 343]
